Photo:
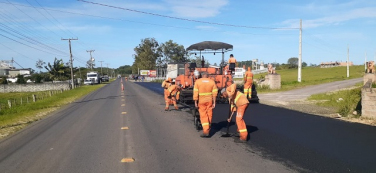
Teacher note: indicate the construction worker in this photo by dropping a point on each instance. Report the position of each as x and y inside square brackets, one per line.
[204, 94]
[239, 103]
[173, 92]
[231, 63]
[248, 80]
[232, 59]
[165, 84]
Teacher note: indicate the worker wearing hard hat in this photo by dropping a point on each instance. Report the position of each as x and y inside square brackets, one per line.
[248, 80]
[204, 94]
[239, 103]
[173, 92]
[165, 84]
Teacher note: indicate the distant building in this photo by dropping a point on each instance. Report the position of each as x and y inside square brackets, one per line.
[15, 72]
[334, 64]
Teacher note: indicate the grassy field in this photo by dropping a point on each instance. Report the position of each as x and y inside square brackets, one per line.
[345, 101]
[33, 111]
[312, 76]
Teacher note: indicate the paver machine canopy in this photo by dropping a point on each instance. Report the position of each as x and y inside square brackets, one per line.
[221, 77]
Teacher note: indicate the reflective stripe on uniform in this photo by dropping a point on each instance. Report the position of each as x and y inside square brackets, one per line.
[243, 130]
[205, 124]
[215, 90]
[195, 89]
[246, 89]
[237, 97]
[204, 94]
[249, 77]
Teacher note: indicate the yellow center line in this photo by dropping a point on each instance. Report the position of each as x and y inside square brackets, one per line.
[122, 99]
[122, 96]
[122, 104]
[124, 128]
[127, 160]
[123, 113]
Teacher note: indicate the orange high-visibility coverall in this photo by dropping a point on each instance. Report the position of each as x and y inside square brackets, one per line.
[205, 91]
[165, 85]
[173, 93]
[239, 103]
[248, 80]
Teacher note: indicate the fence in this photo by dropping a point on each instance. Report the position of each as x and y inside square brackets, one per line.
[23, 100]
[6, 88]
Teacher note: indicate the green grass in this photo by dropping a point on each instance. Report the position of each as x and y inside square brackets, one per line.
[312, 76]
[345, 101]
[27, 112]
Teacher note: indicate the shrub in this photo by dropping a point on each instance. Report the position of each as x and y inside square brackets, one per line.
[350, 102]
[4, 80]
[20, 79]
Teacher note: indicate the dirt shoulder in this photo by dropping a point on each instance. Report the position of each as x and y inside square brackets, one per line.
[310, 107]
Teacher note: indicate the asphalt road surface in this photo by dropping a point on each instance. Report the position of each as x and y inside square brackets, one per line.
[86, 136]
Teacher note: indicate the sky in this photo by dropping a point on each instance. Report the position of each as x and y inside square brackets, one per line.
[265, 30]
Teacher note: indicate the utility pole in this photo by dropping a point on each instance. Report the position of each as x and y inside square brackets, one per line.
[91, 59]
[365, 61]
[300, 53]
[348, 70]
[107, 68]
[71, 58]
[101, 67]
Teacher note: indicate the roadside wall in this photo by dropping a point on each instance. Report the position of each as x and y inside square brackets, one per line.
[369, 102]
[6, 88]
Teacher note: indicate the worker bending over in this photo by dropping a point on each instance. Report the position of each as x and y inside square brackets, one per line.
[204, 94]
[173, 92]
[248, 80]
[239, 103]
[165, 84]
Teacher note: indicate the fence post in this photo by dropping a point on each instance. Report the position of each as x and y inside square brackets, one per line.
[10, 104]
[21, 100]
[50, 93]
[27, 99]
[61, 90]
[34, 97]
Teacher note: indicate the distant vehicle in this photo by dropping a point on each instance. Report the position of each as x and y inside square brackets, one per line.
[94, 77]
[105, 78]
[88, 82]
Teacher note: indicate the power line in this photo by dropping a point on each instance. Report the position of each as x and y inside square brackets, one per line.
[184, 19]
[17, 52]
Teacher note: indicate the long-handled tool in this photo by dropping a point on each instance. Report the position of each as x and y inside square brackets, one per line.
[227, 134]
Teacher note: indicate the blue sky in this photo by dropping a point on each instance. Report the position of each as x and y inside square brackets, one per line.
[328, 27]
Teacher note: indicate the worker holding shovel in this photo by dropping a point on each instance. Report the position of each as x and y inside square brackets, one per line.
[239, 103]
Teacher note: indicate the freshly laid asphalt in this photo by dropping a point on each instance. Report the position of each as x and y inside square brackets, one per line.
[86, 136]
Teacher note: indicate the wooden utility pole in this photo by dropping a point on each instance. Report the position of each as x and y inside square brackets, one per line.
[107, 68]
[71, 59]
[91, 59]
[300, 53]
[101, 67]
[348, 70]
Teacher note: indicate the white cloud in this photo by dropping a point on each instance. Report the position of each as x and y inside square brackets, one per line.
[336, 19]
[196, 8]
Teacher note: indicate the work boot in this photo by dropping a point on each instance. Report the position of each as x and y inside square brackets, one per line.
[238, 140]
[166, 109]
[204, 135]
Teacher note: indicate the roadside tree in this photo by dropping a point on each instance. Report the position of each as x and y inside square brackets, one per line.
[146, 55]
[39, 65]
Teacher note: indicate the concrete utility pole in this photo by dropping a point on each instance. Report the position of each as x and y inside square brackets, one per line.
[300, 54]
[91, 59]
[101, 67]
[348, 71]
[365, 61]
[71, 59]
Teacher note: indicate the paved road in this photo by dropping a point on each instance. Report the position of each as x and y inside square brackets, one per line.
[304, 93]
[86, 136]
[300, 141]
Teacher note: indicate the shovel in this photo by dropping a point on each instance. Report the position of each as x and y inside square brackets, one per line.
[227, 134]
